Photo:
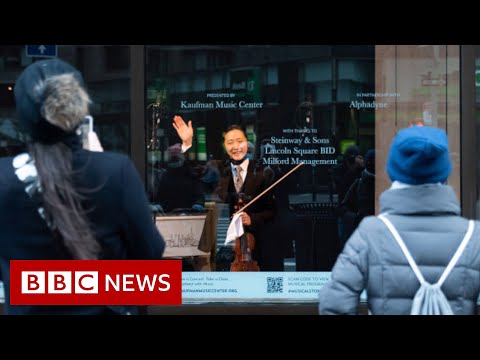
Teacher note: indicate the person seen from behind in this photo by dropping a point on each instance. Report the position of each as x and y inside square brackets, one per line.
[426, 214]
[342, 177]
[359, 200]
[179, 175]
[59, 201]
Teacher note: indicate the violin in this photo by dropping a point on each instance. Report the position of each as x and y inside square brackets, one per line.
[244, 246]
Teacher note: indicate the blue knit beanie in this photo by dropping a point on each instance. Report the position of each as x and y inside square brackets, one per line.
[419, 155]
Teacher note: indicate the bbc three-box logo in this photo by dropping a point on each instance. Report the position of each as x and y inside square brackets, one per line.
[96, 282]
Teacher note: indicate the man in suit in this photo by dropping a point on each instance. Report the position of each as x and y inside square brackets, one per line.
[240, 177]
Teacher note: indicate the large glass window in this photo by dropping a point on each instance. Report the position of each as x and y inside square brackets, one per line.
[325, 106]
[297, 104]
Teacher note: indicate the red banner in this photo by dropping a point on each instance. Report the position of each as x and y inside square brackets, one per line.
[95, 282]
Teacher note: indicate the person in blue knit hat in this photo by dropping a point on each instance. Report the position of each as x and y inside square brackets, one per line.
[419, 155]
[426, 214]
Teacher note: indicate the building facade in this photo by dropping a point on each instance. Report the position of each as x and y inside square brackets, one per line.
[297, 103]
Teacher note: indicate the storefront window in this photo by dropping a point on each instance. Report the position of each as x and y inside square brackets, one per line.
[296, 104]
[319, 105]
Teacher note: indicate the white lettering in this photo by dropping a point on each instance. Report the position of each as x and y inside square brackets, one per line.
[166, 283]
[146, 283]
[146, 280]
[115, 284]
[127, 282]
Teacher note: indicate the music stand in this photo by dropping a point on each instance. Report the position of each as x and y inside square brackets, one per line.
[318, 251]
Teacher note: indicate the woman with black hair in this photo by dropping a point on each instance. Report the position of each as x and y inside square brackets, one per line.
[59, 201]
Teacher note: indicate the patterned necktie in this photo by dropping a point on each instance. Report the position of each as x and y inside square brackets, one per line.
[238, 179]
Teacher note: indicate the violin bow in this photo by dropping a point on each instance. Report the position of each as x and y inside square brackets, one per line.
[267, 189]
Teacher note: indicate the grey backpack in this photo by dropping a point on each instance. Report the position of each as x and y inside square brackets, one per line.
[429, 298]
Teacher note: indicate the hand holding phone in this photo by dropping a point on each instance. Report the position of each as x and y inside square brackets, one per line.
[88, 122]
[89, 137]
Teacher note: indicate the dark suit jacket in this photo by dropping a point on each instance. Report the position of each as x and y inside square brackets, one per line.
[263, 209]
[118, 211]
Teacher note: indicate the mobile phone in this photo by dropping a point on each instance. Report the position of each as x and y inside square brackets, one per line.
[86, 127]
[88, 123]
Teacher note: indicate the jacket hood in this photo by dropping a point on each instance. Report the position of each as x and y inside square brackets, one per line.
[422, 199]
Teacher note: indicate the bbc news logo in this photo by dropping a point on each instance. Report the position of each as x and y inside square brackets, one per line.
[95, 282]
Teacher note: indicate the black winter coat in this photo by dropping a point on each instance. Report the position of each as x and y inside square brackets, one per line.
[118, 211]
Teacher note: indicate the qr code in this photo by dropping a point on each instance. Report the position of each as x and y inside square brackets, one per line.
[274, 284]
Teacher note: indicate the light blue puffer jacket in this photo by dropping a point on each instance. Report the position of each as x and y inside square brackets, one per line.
[428, 219]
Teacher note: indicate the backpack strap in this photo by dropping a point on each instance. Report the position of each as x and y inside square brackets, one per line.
[400, 242]
[458, 253]
[413, 265]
